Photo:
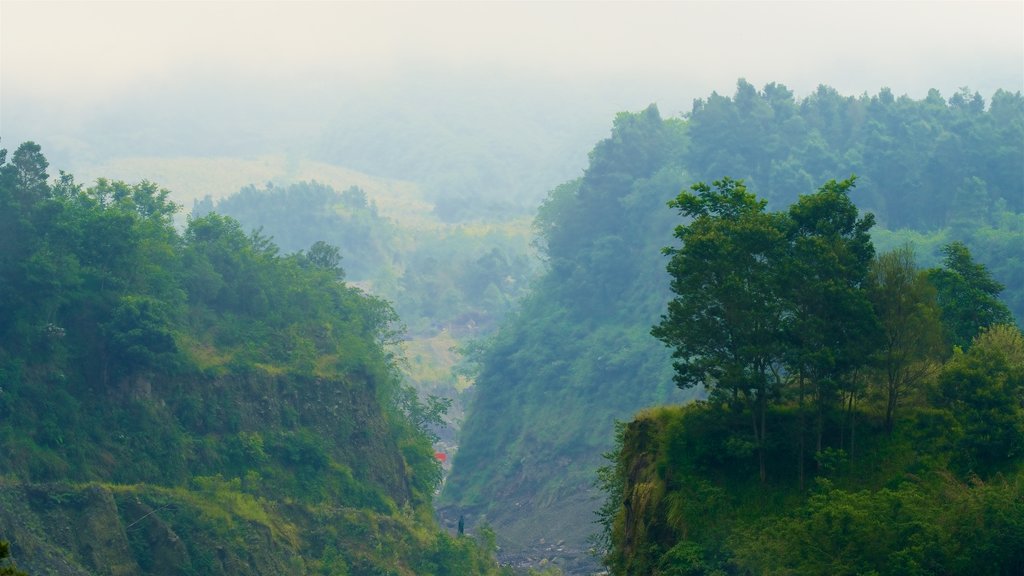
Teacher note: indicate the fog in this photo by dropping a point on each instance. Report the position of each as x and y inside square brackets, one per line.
[465, 98]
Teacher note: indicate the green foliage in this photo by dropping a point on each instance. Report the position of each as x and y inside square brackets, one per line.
[299, 215]
[923, 163]
[907, 310]
[571, 360]
[940, 527]
[968, 295]
[230, 393]
[726, 297]
[927, 168]
[931, 171]
[487, 267]
[810, 316]
[760, 295]
[138, 335]
[984, 391]
[725, 323]
[681, 496]
[681, 507]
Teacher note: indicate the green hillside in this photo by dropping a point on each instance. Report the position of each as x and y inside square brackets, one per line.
[864, 415]
[196, 403]
[578, 354]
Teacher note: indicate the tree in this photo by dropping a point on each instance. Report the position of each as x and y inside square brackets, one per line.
[904, 302]
[137, 335]
[984, 390]
[23, 189]
[725, 323]
[28, 166]
[326, 257]
[831, 327]
[967, 295]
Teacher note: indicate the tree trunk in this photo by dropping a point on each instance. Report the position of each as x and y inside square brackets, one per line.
[763, 401]
[819, 425]
[853, 426]
[890, 408]
[800, 428]
[754, 408]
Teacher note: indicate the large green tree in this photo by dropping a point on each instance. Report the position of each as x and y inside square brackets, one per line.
[984, 390]
[756, 291]
[831, 325]
[725, 323]
[968, 295]
[904, 301]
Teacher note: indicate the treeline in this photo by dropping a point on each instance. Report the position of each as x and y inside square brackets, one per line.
[298, 215]
[896, 388]
[923, 164]
[204, 382]
[932, 171]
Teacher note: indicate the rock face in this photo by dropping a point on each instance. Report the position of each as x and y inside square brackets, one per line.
[254, 467]
[69, 530]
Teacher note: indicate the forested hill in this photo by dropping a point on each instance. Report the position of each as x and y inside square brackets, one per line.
[195, 403]
[864, 415]
[579, 352]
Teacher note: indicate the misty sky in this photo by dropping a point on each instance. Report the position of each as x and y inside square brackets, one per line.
[72, 71]
[72, 50]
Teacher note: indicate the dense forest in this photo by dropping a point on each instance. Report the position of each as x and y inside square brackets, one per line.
[944, 177]
[194, 402]
[820, 334]
[897, 391]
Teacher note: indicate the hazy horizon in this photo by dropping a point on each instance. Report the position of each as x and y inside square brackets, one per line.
[332, 80]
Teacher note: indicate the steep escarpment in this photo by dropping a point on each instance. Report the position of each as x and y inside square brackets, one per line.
[195, 403]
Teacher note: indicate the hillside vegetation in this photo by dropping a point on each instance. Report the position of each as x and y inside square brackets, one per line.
[578, 355]
[438, 275]
[864, 416]
[196, 403]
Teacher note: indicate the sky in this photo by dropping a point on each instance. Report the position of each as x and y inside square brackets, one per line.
[88, 48]
[67, 68]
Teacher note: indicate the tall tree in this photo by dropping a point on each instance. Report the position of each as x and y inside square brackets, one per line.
[968, 296]
[904, 301]
[832, 326]
[724, 324]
